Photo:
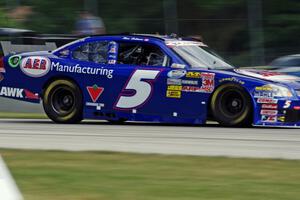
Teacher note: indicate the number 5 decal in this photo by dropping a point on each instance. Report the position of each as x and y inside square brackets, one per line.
[140, 87]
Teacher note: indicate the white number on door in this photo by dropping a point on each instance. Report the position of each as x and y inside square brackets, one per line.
[140, 83]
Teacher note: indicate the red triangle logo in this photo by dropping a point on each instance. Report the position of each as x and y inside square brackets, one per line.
[95, 92]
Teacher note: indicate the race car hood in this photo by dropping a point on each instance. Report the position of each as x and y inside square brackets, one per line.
[277, 77]
[269, 75]
[264, 75]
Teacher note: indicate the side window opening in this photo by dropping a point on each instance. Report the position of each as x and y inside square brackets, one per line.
[95, 52]
[142, 55]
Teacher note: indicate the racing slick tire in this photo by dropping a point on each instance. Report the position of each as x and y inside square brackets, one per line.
[231, 106]
[62, 102]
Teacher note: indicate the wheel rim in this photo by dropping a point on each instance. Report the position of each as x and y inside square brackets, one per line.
[63, 100]
[232, 103]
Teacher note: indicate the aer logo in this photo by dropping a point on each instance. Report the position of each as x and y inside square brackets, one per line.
[35, 66]
[11, 92]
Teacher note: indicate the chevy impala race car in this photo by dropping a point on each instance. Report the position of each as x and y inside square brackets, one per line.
[148, 78]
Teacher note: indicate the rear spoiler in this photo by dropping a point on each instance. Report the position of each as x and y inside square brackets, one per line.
[8, 47]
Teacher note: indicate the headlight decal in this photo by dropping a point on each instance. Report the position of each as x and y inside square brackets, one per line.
[272, 91]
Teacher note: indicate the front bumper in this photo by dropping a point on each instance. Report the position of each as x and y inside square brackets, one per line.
[283, 113]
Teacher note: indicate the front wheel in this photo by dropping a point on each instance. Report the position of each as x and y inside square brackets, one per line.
[62, 101]
[231, 106]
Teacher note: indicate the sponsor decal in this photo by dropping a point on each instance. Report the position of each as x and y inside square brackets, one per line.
[31, 95]
[174, 81]
[176, 73]
[12, 92]
[112, 56]
[191, 89]
[272, 119]
[208, 82]
[281, 118]
[135, 39]
[173, 94]
[1, 77]
[112, 53]
[113, 50]
[267, 100]
[269, 106]
[263, 94]
[14, 61]
[296, 107]
[98, 106]
[193, 74]
[232, 79]
[35, 66]
[175, 87]
[287, 104]
[18, 93]
[184, 43]
[269, 73]
[264, 88]
[56, 66]
[269, 112]
[207, 86]
[189, 82]
[95, 92]
[112, 62]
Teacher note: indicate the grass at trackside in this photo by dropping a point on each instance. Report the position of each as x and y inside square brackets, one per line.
[57, 175]
[12, 115]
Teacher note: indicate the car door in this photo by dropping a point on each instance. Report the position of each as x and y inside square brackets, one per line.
[150, 86]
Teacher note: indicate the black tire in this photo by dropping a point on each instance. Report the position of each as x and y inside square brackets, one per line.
[62, 102]
[231, 106]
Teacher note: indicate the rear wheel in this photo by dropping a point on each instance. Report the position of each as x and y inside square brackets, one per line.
[62, 101]
[231, 106]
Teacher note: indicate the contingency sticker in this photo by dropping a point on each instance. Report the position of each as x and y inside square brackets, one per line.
[173, 94]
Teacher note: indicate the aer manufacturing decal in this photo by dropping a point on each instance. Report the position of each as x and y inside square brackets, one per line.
[35, 66]
[56, 66]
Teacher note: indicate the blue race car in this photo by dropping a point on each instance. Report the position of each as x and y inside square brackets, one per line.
[148, 78]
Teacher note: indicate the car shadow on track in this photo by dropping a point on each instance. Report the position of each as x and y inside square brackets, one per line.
[210, 124]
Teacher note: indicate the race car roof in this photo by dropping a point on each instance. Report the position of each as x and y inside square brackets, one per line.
[156, 36]
[167, 39]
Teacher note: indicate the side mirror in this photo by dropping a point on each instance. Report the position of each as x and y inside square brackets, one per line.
[178, 66]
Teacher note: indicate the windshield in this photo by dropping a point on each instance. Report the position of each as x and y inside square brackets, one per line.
[201, 56]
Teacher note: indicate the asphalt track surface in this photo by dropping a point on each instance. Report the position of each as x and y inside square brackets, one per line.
[208, 140]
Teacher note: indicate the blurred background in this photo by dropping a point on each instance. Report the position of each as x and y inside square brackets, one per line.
[245, 32]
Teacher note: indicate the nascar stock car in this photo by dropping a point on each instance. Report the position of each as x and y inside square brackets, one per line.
[138, 77]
